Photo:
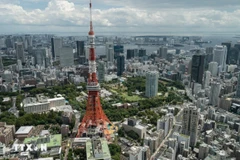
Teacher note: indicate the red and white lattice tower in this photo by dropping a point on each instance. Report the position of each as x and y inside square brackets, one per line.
[94, 116]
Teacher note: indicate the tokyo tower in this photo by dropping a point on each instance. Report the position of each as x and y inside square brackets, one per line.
[94, 122]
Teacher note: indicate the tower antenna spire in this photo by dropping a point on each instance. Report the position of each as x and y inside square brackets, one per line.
[91, 24]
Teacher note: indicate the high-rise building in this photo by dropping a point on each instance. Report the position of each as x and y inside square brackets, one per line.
[109, 52]
[198, 63]
[136, 53]
[213, 68]
[19, 63]
[203, 151]
[101, 71]
[130, 53]
[228, 45]
[81, 52]
[120, 65]
[220, 56]
[207, 76]
[8, 42]
[163, 52]
[190, 123]
[1, 64]
[118, 49]
[238, 87]
[40, 55]
[233, 57]
[209, 50]
[56, 47]
[151, 83]
[142, 52]
[27, 39]
[20, 51]
[209, 55]
[215, 92]
[66, 57]
[237, 45]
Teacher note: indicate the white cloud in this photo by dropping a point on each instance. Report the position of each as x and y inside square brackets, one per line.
[69, 15]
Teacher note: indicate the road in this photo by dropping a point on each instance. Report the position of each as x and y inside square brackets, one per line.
[189, 94]
[72, 136]
[178, 116]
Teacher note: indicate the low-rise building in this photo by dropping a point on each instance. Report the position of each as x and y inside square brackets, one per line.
[97, 149]
[136, 126]
[24, 132]
[64, 130]
[42, 104]
[2, 149]
[6, 133]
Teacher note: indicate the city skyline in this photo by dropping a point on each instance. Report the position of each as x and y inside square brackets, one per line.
[34, 16]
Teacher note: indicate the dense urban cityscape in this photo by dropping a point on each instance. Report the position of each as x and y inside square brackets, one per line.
[119, 97]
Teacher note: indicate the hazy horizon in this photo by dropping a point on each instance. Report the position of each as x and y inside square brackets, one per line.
[127, 16]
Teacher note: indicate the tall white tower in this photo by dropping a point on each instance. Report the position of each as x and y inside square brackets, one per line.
[220, 56]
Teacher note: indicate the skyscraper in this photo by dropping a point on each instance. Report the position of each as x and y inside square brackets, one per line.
[215, 92]
[40, 55]
[209, 55]
[19, 64]
[238, 87]
[118, 49]
[220, 56]
[120, 65]
[66, 57]
[190, 123]
[101, 71]
[213, 68]
[81, 52]
[233, 57]
[142, 52]
[56, 47]
[197, 69]
[8, 42]
[109, 52]
[151, 83]
[163, 52]
[228, 45]
[1, 64]
[207, 76]
[20, 51]
[130, 53]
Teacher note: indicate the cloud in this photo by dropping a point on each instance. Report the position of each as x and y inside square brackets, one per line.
[66, 15]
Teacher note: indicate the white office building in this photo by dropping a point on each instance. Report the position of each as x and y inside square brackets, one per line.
[207, 76]
[110, 52]
[41, 103]
[213, 68]
[214, 94]
[220, 56]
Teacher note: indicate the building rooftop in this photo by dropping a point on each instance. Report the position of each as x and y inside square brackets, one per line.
[51, 141]
[24, 130]
[97, 149]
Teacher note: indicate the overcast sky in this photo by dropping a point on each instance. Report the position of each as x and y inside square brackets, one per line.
[170, 16]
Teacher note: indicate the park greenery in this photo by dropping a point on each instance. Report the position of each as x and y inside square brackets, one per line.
[115, 151]
[81, 153]
[8, 62]
[120, 95]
